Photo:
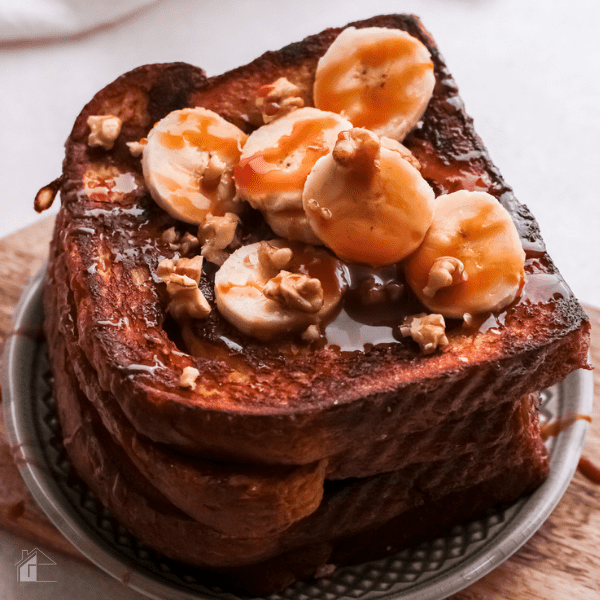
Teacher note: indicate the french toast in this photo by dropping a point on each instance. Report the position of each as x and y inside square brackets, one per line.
[286, 455]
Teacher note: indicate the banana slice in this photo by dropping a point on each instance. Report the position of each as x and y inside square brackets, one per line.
[188, 164]
[276, 161]
[380, 79]
[471, 259]
[271, 288]
[367, 202]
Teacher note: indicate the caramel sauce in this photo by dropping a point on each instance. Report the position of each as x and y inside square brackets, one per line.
[447, 177]
[167, 182]
[199, 136]
[589, 470]
[111, 188]
[554, 428]
[262, 173]
[306, 262]
[380, 102]
[373, 307]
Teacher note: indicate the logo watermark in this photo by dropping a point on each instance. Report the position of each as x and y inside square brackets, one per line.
[28, 568]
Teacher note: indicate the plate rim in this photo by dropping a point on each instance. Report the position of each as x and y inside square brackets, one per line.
[567, 449]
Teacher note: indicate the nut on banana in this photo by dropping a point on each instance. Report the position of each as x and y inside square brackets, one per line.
[471, 260]
[271, 288]
[366, 202]
[188, 164]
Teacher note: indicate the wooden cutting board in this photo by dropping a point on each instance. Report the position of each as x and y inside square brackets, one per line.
[562, 560]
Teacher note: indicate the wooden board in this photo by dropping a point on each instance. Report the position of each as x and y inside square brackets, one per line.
[561, 560]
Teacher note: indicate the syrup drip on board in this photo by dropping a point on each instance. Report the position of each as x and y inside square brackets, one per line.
[589, 470]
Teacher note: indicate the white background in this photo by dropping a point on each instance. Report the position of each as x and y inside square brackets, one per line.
[529, 73]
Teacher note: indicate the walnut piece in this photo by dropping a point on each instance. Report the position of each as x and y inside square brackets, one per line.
[215, 234]
[295, 291]
[311, 333]
[278, 99]
[429, 331]
[444, 272]
[105, 129]
[137, 148]
[358, 150]
[188, 377]
[185, 244]
[182, 277]
[272, 259]
[211, 176]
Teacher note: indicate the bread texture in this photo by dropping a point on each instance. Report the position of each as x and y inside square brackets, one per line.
[284, 457]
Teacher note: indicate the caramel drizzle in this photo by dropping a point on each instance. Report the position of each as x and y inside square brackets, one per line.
[554, 428]
[589, 470]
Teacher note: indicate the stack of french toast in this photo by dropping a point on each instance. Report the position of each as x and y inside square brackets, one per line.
[288, 332]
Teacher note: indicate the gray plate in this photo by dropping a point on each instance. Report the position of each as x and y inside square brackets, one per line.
[430, 571]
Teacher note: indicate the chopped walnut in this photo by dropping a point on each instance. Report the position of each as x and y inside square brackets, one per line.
[213, 172]
[182, 277]
[358, 150]
[215, 234]
[188, 243]
[189, 267]
[171, 236]
[137, 148]
[188, 377]
[105, 129]
[429, 331]
[295, 291]
[311, 333]
[272, 259]
[444, 272]
[468, 319]
[278, 99]
[185, 244]
[189, 303]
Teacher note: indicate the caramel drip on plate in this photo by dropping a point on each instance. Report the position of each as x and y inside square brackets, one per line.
[554, 428]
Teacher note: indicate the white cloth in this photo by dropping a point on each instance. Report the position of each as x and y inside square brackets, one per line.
[22, 20]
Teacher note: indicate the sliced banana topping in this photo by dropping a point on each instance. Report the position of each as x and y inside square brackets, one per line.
[269, 288]
[188, 164]
[380, 79]
[276, 161]
[471, 259]
[366, 202]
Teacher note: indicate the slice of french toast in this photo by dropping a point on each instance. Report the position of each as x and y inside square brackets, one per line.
[286, 408]
[285, 455]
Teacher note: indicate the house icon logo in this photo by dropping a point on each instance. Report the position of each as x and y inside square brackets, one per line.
[27, 567]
